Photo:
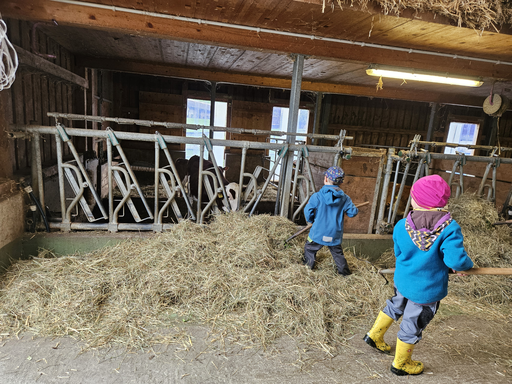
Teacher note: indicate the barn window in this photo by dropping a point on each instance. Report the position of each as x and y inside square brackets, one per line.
[198, 113]
[280, 123]
[462, 133]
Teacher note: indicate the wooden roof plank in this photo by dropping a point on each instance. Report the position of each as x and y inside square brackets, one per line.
[249, 60]
[145, 25]
[174, 52]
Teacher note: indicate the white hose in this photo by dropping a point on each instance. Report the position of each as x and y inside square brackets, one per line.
[8, 59]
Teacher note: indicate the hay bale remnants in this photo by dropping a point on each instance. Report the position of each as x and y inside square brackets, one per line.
[235, 275]
[488, 246]
[477, 14]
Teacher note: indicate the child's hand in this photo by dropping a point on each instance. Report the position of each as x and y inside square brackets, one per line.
[459, 273]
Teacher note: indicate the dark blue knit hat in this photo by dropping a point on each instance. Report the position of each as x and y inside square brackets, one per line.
[335, 174]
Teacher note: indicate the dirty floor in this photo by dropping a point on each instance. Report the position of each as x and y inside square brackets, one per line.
[458, 349]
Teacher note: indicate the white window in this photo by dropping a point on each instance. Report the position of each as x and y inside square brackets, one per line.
[198, 113]
[462, 133]
[280, 123]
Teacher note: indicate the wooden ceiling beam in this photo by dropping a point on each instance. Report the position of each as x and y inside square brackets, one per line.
[147, 25]
[275, 82]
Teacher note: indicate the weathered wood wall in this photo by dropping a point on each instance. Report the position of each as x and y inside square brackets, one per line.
[474, 173]
[378, 122]
[33, 94]
[372, 122]
[392, 123]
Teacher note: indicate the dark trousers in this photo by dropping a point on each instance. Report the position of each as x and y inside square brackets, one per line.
[311, 248]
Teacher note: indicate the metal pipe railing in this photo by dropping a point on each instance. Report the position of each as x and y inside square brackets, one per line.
[160, 142]
[151, 123]
[424, 159]
[148, 137]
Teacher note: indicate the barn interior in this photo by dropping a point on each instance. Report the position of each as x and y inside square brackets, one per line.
[106, 100]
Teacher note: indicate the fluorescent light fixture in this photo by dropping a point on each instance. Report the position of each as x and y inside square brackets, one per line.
[418, 75]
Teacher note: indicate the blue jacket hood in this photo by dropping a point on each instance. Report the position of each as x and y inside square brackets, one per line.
[332, 195]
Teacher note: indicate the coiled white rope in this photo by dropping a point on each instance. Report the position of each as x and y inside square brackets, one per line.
[8, 59]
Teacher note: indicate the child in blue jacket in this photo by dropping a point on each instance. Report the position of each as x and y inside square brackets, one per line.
[326, 210]
[427, 243]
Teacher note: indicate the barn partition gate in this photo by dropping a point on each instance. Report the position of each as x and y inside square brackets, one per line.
[397, 174]
[72, 174]
[397, 170]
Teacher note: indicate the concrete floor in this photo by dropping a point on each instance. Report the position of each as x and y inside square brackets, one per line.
[458, 349]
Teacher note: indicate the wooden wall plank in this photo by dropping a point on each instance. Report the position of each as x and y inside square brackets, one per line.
[7, 146]
[38, 97]
[52, 99]
[250, 115]
[25, 35]
[28, 98]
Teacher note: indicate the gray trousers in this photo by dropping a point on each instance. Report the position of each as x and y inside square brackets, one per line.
[311, 248]
[415, 316]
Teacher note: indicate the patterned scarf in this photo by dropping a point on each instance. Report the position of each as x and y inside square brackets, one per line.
[424, 238]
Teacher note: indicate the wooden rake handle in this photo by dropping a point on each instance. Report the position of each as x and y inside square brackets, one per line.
[472, 271]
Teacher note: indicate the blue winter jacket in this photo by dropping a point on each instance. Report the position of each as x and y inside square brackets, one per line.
[325, 210]
[422, 276]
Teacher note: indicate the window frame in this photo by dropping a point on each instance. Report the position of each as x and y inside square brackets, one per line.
[465, 120]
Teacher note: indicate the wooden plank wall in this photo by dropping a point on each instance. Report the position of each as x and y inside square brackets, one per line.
[360, 178]
[250, 115]
[34, 94]
[392, 123]
[372, 122]
[162, 107]
[505, 131]
[378, 122]
[165, 99]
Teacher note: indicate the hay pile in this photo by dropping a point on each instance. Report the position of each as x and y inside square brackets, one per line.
[477, 14]
[235, 275]
[488, 246]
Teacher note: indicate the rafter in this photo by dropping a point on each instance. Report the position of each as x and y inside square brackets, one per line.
[150, 25]
[273, 82]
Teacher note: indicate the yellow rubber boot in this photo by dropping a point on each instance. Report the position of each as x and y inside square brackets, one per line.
[403, 364]
[375, 338]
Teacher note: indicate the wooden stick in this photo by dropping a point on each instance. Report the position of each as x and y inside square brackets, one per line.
[472, 271]
[503, 222]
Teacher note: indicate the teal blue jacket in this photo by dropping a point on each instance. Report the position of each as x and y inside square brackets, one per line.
[422, 276]
[326, 210]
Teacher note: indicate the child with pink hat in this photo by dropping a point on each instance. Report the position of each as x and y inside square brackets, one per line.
[427, 244]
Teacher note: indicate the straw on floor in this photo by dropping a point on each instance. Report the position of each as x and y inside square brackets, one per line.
[235, 275]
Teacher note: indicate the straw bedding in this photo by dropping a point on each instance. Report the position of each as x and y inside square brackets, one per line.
[477, 14]
[488, 246]
[236, 275]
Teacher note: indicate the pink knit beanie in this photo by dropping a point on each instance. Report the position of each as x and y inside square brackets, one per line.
[431, 192]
